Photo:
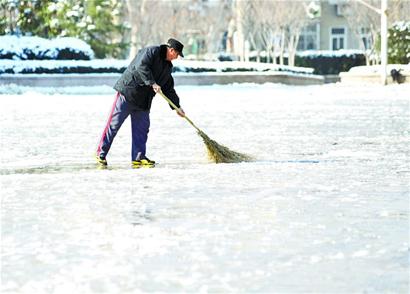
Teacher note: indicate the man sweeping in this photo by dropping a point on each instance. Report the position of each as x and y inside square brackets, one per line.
[147, 74]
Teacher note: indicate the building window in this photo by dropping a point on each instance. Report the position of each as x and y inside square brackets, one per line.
[366, 38]
[309, 38]
[337, 38]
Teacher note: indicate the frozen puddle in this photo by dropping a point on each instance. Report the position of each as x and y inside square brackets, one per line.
[324, 208]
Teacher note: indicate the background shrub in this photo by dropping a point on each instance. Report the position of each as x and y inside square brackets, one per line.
[398, 43]
[330, 62]
[36, 48]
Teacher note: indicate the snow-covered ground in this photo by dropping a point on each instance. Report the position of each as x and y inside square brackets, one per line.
[375, 69]
[323, 209]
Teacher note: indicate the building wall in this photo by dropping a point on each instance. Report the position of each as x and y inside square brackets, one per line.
[330, 19]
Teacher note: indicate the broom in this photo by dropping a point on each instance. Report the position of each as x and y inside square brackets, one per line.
[216, 152]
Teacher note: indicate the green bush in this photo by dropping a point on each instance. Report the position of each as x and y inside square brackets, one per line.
[398, 43]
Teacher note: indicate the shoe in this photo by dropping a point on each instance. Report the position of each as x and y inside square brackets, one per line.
[101, 160]
[144, 161]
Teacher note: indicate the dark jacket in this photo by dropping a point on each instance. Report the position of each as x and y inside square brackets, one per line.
[148, 67]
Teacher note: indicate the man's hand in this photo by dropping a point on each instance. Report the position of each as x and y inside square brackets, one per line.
[180, 112]
[156, 88]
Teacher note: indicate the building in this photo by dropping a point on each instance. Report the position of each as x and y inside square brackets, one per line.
[331, 30]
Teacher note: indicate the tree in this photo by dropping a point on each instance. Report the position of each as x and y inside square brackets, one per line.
[398, 43]
[399, 10]
[139, 18]
[295, 18]
[365, 23]
[399, 33]
[8, 16]
[261, 28]
[152, 22]
[199, 24]
[272, 26]
[101, 27]
[94, 21]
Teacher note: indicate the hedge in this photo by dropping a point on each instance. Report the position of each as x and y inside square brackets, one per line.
[330, 62]
[324, 62]
[118, 66]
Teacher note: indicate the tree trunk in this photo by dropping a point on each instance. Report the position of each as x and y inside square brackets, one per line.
[293, 44]
[282, 47]
[132, 15]
[258, 55]
[240, 36]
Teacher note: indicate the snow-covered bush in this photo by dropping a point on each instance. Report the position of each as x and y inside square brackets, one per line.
[96, 22]
[13, 47]
[191, 66]
[330, 62]
[324, 62]
[118, 66]
[398, 47]
[223, 56]
[62, 66]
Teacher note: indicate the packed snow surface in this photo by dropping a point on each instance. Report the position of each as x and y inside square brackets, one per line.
[324, 208]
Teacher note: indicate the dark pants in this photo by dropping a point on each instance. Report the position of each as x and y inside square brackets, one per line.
[139, 127]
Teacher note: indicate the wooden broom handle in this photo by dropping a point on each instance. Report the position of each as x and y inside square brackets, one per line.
[176, 108]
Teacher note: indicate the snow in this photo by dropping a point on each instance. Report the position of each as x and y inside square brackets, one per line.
[11, 89]
[48, 48]
[330, 53]
[19, 66]
[323, 209]
[402, 26]
[223, 66]
[375, 69]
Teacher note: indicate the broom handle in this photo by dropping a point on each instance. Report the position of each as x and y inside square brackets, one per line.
[176, 108]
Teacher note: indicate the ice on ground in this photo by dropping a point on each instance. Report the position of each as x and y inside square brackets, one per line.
[324, 208]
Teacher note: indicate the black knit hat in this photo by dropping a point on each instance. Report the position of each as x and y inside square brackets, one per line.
[178, 46]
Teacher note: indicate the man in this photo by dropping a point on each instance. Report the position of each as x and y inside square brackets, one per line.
[148, 73]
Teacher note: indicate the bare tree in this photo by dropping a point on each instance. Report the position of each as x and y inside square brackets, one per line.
[273, 26]
[205, 23]
[195, 22]
[260, 25]
[398, 10]
[152, 22]
[265, 28]
[8, 17]
[365, 24]
[239, 43]
[295, 19]
[135, 10]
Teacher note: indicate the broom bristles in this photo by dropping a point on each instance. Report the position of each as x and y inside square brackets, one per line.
[221, 154]
[216, 152]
